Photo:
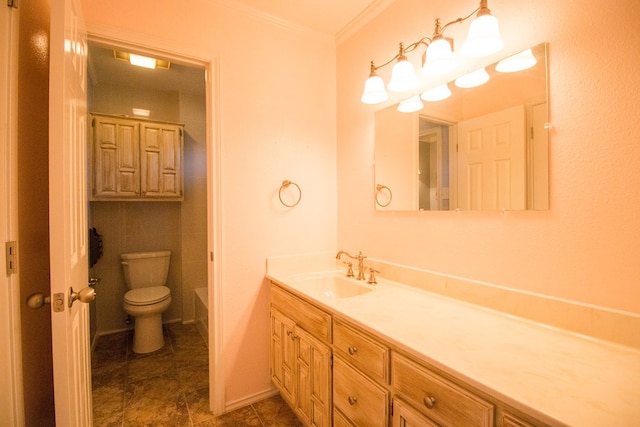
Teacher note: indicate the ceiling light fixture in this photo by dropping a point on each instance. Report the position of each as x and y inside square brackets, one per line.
[141, 61]
[141, 112]
[483, 39]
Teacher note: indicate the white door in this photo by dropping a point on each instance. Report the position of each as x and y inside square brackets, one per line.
[68, 214]
[491, 161]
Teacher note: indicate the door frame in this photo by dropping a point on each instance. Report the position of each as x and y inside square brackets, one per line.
[11, 382]
[113, 39]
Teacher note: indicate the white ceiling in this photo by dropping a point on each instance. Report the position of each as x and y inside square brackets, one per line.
[331, 17]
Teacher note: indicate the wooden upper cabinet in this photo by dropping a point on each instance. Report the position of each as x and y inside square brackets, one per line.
[135, 159]
[161, 160]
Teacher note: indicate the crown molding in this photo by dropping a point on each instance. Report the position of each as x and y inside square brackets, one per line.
[266, 17]
[373, 10]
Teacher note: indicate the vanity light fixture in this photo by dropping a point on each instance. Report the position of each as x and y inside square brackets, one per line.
[437, 93]
[141, 61]
[374, 92]
[518, 62]
[410, 105]
[483, 39]
[473, 79]
[403, 76]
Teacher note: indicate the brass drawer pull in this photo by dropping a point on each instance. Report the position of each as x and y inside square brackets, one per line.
[352, 400]
[353, 350]
[429, 402]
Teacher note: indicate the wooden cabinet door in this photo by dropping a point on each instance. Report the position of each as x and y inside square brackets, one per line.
[115, 158]
[313, 377]
[160, 160]
[283, 354]
[405, 416]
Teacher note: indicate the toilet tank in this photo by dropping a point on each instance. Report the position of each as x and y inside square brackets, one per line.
[144, 269]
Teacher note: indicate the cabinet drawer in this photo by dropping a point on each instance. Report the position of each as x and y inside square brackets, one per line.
[438, 398]
[361, 400]
[308, 317]
[362, 352]
[340, 420]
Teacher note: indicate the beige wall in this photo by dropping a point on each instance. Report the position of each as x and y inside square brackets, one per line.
[277, 122]
[585, 248]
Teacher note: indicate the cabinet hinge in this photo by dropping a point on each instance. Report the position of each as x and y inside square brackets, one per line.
[93, 122]
[12, 3]
[10, 254]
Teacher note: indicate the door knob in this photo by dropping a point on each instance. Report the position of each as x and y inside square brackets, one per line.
[85, 295]
[37, 300]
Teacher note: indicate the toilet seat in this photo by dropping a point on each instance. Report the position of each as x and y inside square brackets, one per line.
[147, 296]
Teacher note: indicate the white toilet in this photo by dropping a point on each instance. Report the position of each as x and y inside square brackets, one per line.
[146, 275]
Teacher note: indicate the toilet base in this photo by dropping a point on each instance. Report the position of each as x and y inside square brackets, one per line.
[148, 335]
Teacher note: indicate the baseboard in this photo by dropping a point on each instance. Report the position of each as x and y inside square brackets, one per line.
[249, 400]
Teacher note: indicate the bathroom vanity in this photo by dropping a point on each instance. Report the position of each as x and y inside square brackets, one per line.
[345, 353]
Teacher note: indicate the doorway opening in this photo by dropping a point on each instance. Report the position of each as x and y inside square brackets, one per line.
[177, 94]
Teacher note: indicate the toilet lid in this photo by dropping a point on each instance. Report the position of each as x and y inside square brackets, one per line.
[146, 296]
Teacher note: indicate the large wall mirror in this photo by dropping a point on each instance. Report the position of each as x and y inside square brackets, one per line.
[482, 148]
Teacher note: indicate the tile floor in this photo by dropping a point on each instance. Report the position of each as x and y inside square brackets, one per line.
[169, 387]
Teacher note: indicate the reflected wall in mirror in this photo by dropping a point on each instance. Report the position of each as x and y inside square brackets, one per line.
[482, 148]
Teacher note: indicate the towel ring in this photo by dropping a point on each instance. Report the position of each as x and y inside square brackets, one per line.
[285, 184]
[379, 188]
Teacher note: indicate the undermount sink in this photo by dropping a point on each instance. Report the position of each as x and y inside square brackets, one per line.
[333, 285]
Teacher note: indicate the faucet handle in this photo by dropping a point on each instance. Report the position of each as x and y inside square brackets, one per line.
[349, 269]
[372, 277]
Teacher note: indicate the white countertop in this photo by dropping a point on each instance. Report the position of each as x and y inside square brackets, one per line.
[557, 376]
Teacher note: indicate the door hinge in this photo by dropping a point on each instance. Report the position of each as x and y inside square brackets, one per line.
[10, 254]
[12, 3]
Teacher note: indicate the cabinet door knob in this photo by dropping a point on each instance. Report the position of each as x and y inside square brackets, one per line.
[429, 402]
[352, 400]
[353, 350]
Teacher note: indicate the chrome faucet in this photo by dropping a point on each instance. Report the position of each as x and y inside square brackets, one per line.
[360, 258]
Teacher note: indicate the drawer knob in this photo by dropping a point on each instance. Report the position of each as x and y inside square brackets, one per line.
[429, 402]
[352, 400]
[353, 350]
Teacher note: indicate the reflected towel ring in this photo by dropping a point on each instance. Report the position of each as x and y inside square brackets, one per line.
[379, 188]
[285, 184]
